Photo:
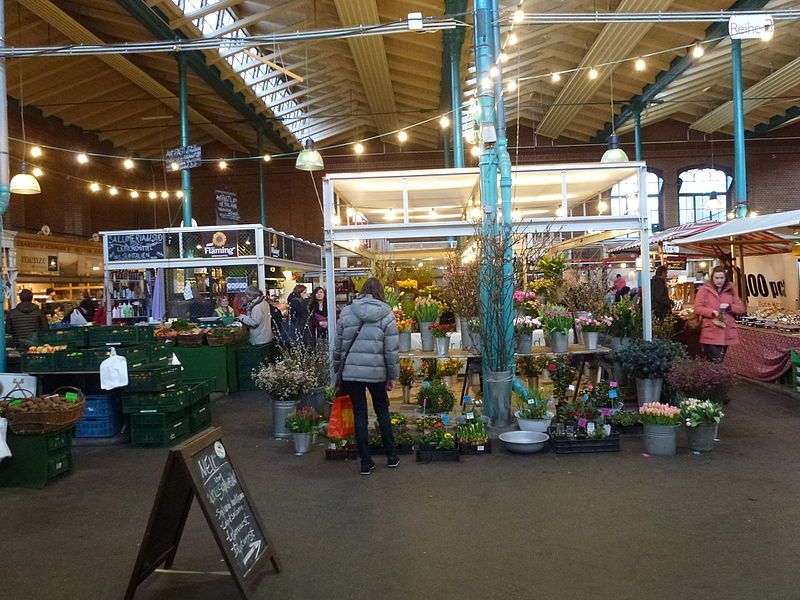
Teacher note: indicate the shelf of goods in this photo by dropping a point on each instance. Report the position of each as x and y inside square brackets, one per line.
[131, 294]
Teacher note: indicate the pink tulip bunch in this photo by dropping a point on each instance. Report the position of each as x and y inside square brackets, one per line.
[655, 413]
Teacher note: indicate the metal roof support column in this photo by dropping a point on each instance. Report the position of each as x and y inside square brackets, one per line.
[186, 175]
[5, 189]
[740, 161]
[637, 134]
[261, 190]
[453, 41]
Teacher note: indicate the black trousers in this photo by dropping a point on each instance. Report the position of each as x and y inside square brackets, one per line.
[380, 402]
[715, 353]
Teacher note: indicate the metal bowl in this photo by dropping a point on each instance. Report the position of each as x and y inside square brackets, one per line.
[524, 442]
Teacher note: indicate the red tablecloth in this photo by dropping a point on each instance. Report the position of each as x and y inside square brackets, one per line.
[762, 355]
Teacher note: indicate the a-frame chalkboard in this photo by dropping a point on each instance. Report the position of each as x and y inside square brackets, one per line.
[202, 467]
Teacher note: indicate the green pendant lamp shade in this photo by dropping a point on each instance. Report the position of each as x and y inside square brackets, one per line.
[309, 158]
[614, 154]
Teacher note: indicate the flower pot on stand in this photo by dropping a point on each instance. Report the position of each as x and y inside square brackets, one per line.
[449, 380]
[426, 336]
[405, 341]
[442, 346]
[302, 442]
[590, 339]
[477, 343]
[701, 437]
[539, 425]
[660, 440]
[524, 343]
[648, 389]
[280, 410]
[559, 342]
[497, 404]
[466, 336]
[406, 394]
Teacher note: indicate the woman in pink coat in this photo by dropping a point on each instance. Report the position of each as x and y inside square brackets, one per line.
[717, 303]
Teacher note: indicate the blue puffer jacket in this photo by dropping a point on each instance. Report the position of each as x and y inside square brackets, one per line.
[374, 356]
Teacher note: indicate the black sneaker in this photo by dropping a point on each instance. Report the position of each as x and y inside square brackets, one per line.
[367, 468]
[393, 462]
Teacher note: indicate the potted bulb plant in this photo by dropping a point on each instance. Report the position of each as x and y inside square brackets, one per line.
[591, 328]
[557, 322]
[530, 367]
[406, 379]
[661, 422]
[524, 327]
[649, 363]
[623, 326]
[285, 382]
[441, 335]
[303, 424]
[426, 311]
[701, 418]
[532, 414]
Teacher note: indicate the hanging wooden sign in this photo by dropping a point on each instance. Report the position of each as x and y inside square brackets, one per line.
[202, 467]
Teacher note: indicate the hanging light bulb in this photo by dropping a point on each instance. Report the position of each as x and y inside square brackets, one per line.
[614, 153]
[698, 51]
[475, 214]
[37, 172]
[512, 39]
[164, 195]
[593, 74]
[95, 187]
[309, 159]
[23, 183]
[152, 195]
[390, 214]
[82, 158]
[769, 31]
[494, 71]
[36, 151]
[602, 206]
[504, 57]
[512, 86]
[640, 65]
[433, 214]
[223, 164]
[127, 163]
[267, 158]
[174, 166]
[402, 136]
[179, 194]
[475, 151]
[519, 15]
[444, 122]
[113, 191]
[555, 77]
[474, 107]
[134, 194]
[358, 148]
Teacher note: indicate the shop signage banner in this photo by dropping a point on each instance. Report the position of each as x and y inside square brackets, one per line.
[675, 262]
[135, 246]
[219, 244]
[275, 245]
[772, 281]
[227, 207]
[187, 157]
[36, 262]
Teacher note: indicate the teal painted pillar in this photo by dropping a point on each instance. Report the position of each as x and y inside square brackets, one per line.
[637, 134]
[740, 161]
[454, 40]
[5, 179]
[186, 176]
[262, 202]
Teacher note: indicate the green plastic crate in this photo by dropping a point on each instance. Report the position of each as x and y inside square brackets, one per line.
[198, 389]
[38, 363]
[36, 460]
[167, 401]
[153, 379]
[72, 360]
[67, 336]
[144, 333]
[113, 336]
[159, 429]
[200, 416]
[161, 352]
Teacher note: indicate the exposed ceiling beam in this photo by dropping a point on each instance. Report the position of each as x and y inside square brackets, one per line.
[714, 34]
[240, 23]
[792, 114]
[202, 12]
[156, 24]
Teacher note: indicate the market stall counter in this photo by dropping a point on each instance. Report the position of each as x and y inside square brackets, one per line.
[762, 354]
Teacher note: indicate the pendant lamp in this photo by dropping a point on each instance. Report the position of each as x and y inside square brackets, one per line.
[309, 158]
[614, 154]
[24, 183]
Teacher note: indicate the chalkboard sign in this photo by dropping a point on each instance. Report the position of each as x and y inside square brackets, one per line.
[135, 246]
[202, 467]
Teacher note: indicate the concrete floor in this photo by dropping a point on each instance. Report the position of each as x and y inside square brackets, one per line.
[617, 526]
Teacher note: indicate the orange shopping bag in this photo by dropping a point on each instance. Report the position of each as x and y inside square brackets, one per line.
[341, 423]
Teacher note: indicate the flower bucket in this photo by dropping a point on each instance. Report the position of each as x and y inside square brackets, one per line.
[532, 383]
[426, 336]
[406, 394]
[442, 346]
[559, 342]
[498, 402]
[648, 389]
[302, 442]
[466, 336]
[280, 410]
[660, 440]
[405, 341]
[590, 339]
[524, 343]
[701, 438]
[477, 343]
[539, 425]
[616, 344]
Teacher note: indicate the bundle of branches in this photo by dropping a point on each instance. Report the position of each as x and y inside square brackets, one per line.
[462, 291]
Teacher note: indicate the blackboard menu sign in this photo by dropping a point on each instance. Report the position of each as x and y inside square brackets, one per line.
[307, 253]
[202, 467]
[227, 206]
[135, 246]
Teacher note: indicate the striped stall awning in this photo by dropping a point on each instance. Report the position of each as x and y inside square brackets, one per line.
[673, 233]
[766, 234]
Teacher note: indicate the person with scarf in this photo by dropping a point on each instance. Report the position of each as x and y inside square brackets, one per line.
[257, 317]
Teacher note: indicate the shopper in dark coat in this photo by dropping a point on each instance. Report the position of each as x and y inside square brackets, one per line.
[659, 294]
[298, 313]
[24, 320]
[368, 328]
[319, 315]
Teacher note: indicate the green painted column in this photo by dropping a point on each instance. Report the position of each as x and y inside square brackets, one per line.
[186, 176]
[637, 134]
[739, 158]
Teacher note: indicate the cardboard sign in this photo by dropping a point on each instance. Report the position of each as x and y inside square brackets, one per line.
[202, 468]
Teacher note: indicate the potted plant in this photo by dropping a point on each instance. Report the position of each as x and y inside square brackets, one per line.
[625, 421]
[285, 383]
[649, 363]
[603, 395]
[585, 296]
[435, 397]
[562, 373]
[525, 303]
[701, 379]
[532, 414]
[404, 332]
[341, 448]
[591, 328]
[462, 281]
[661, 422]
[441, 335]
[473, 437]
[474, 326]
[530, 367]
[429, 370]
[426, 312]
[436, 443]
[406, 379]
[623, 326]
[557, 322]
[523, 328]
[450, 369]
[701, 418]
[303, 424]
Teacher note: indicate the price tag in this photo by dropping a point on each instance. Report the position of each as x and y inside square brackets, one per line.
[446, 419]
[605, 412]
[470, 416]
[590, 428]
[586, 397]
[612, 393]
[480, 448]
[571, 388]
[582, 422]
[612, 384]
[531, 401]
[607, 429]
[71, 396]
